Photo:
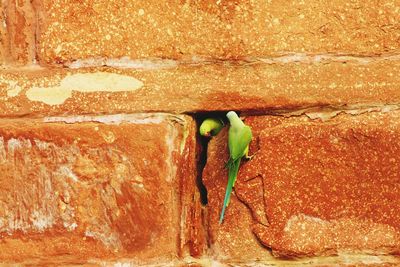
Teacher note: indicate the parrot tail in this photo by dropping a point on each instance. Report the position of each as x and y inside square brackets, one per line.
[233, 171]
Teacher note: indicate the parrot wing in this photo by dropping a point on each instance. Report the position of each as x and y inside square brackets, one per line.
[238, 141]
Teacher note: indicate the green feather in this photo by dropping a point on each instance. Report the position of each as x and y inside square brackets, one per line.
[233, 170]
[239, 138]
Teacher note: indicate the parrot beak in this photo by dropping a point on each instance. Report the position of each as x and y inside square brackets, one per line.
[207, 134]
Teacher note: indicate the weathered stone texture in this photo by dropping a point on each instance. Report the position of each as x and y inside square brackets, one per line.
[193, 236]
[93, 187]
[256, 88]
[3, 34]
[179, 29]
[84, 183]
[18, 32]
[313, 188]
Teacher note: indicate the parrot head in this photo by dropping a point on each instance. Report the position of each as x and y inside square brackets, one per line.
[232, 115]
[205, 130]
[211, 127]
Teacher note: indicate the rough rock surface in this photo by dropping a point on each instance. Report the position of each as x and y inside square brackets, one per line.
[3, 35]
[180, 29]
[17, 32]
[313, 188]
[256, 88]
[86, 182]
[94, 187]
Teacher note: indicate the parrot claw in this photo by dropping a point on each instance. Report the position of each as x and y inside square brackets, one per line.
[250, 157]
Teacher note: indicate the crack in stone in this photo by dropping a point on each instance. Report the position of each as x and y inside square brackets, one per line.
[284, 58]
[324, 112]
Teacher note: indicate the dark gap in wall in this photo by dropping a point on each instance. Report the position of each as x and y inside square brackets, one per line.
[201, 163]
[202, 155]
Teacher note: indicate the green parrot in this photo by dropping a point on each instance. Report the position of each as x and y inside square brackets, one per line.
[239, 137]
[211, 127]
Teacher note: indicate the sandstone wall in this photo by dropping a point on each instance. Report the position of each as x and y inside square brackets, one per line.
[102, 165]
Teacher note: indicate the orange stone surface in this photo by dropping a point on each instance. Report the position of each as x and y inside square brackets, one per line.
[101, 160]
[3, 35]
[313, 187]
[17, 32]
[229, 29]
[188, 89]
[94, 187]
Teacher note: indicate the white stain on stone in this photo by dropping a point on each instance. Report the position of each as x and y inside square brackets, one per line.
[41, 221]
[37, 220]
[85, 83]
[41, 145]
[65, 170]
[13, 89]
[49, 95]
[371, 259]
[42, 213]
[355, 258]
[310, 59]
[170, 142]
[116, 119]
[15, 223]
[51, 192]
[13, 144]
[155, 64]
[327, 113]
[108, 238]
[124, 63]
[122, 264]
[167, 262]
[70, 226]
